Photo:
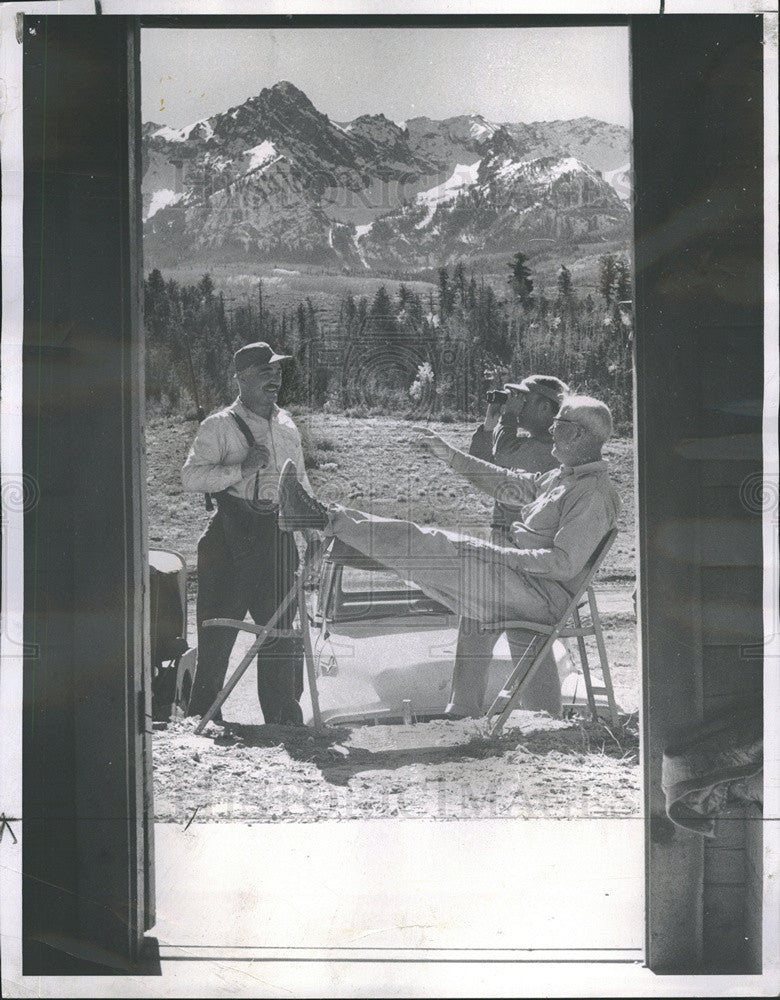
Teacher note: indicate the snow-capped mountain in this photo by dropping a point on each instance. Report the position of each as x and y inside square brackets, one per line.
[275, 179]
[485, 207]
[602, 146]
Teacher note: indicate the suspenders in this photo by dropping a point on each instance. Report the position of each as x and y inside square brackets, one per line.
[250, 440]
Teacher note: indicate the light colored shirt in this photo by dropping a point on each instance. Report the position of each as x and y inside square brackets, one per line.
[511, 448]
[564, 514]
[219, 448]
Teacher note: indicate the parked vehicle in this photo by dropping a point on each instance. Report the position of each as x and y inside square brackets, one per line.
[384, 650]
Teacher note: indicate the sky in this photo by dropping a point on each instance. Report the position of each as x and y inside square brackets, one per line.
[505, 74]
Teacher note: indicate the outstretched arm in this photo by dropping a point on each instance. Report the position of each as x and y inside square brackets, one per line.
[510, 486]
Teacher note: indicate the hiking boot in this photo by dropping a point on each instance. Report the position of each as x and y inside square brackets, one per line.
[297, 508]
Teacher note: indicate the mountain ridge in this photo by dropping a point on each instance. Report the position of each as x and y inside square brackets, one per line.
[276, 179]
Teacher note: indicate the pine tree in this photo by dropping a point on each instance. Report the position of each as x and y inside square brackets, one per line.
[382, 315]
[348, 315]
[206, 288]
[565, 290]
[412, 315]
[472, 293]
[520, 280]
[445, 293]
[459, 283]
[312, 324]
[157, 306]
[622, 281]
[381, 307]
[261, 323]
[607, 276]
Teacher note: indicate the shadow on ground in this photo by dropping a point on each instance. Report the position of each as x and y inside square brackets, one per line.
[344, 752]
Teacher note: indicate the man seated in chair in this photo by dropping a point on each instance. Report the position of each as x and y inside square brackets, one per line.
[514, 435]
[564, 515]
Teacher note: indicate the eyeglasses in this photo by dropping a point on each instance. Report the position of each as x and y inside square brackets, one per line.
[564, 420]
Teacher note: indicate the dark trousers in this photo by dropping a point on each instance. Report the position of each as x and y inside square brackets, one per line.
[245, 563]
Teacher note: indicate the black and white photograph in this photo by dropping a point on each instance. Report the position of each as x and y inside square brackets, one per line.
[404, 273]
[389, 480]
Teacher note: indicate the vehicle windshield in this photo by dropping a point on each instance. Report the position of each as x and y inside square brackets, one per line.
[358, 593]
[362, 581]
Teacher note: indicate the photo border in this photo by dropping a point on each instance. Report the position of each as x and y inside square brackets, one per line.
[10, 680]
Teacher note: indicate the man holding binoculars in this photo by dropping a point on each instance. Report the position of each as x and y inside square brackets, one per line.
[515, 434]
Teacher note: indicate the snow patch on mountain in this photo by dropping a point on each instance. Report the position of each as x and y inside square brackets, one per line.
[463, 176]
[182, 134]
[620, 179]
[174, 134]
[553, 171]
[218, 163]
[360, 232]
[161, 199]
[261, 156]
[481, 128]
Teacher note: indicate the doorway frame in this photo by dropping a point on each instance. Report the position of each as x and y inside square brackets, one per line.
[671, 945]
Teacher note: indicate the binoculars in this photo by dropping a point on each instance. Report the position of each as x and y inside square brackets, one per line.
[497, 397]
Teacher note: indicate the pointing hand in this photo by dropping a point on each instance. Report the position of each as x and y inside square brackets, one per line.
[434, 442]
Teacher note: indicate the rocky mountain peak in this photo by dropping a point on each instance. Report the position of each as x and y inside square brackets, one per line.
[276, 179]
[377, 129]
[286, 93]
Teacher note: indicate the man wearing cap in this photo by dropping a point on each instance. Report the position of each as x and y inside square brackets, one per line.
[515, 437]
[244, 562]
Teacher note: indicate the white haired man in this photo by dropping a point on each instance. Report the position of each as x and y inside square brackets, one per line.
[564, 514]
[514, 436]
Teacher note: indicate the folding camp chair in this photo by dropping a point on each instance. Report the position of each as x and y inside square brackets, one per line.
[173, 661]
[296, 593]
[545, 635]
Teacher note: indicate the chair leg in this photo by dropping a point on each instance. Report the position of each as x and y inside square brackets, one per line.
[309, 653]
[594, 614]
[585, 667]
[508, 696]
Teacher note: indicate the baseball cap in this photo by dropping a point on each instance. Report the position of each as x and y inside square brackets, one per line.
[258, 353]
[543, 385]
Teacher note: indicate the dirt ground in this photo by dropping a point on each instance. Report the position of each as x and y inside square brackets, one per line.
[537, 767]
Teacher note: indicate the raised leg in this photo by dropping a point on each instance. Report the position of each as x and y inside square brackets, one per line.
[469, 575]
